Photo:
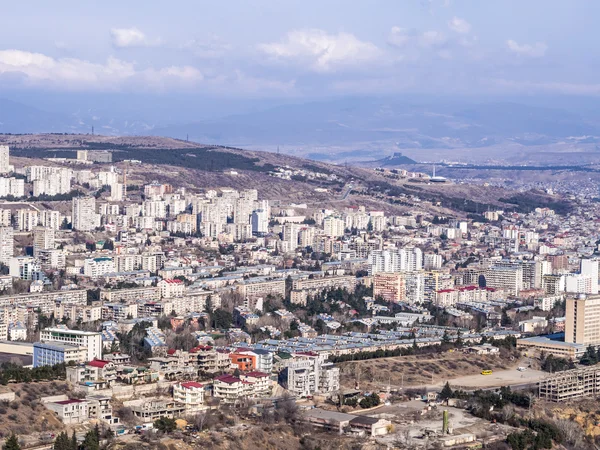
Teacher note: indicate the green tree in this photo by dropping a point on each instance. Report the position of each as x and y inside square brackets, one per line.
[91, 441]
[62, 442]
[590, 357]
[165, 424]
[12, 443]
[446, 392]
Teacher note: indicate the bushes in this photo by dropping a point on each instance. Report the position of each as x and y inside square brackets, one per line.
[370, 402]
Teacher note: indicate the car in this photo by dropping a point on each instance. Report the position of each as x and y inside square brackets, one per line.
[486, 372]
[522, 369]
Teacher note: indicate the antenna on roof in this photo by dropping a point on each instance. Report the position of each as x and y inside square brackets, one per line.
[278, 149]
[187, 138]
[92, 130]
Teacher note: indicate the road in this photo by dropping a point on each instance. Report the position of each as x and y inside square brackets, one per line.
[346, 192]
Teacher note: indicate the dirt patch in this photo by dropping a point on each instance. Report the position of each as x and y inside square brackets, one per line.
[417, 370]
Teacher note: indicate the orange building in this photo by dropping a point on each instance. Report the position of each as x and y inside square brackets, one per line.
[244, 363]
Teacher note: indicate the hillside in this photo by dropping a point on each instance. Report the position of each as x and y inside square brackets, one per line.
[196, 166]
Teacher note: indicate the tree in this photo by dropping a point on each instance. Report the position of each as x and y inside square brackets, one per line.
[12, 443]
[108, 245]
[590, 357]
[446, 392]
[371, 401]
[62, 442]
[165, 424]
[91, 441]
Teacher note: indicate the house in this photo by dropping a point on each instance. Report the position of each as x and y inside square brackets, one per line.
[261, 383]
[230, 388]
[100, 408]
[153, 409]
[341, 422]
[70, 411]
[190, 393]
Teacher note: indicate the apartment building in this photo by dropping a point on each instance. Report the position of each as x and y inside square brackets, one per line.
[91, 341]
[132, 295]
[390, 286]
[253, 288]
[308, 374]
[191, 394]
[582, 325]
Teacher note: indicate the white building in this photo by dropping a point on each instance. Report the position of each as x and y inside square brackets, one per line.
[334, 226]
[96, 267]
[43, 239]
[5, 166]
[84, 214]
[190, 393]
[91, 341]
[12, 186]
[7, 244]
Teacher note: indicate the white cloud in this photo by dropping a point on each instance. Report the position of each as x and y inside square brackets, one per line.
[459, 25]
[213, 47]
[321, 50]
[74, 73]
[131, 37]
[404, 37]
[534, 51]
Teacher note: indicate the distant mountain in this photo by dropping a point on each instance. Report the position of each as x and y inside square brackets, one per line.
[406, 123]
[18, 118]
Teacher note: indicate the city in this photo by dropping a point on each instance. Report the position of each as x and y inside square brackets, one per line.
[299, 225]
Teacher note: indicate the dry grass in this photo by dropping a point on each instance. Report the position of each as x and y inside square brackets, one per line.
[416, 370]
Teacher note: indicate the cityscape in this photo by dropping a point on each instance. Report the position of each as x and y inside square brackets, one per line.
[265, 225]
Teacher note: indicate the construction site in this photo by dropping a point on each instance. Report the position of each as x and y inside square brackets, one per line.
[571, 384]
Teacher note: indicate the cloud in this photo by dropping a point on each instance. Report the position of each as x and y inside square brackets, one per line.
[404, 37]
[26, 69]
[536, 50]
[213, 47]
[460, 26]
[131, 37]
[74, 73]
[322, 51]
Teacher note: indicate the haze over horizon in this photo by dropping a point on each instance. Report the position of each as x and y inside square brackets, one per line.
[139, 67]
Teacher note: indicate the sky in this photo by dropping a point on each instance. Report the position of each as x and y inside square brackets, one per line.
[274, 49]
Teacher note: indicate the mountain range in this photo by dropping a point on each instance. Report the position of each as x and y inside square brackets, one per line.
[335, 129]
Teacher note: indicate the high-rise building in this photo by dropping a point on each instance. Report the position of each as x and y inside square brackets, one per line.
[590, 267]
[84, 214]
[260, 222]
[582, 324]
[406, 259]
[5, 159]
[334, 226]
[43, 239]
[509, 278]
[7, 246]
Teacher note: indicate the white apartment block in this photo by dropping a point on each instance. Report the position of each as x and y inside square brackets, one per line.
[395, 260]
[84, 215]
[96, 267]
[7, 244]
[89, 340]
[171, 288]
[5, 166]
[12, 186]
[27, 219]
[50, 219]
[43, 239]
[334, 226]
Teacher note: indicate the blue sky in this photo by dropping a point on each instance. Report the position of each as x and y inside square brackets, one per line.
[292, 49]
